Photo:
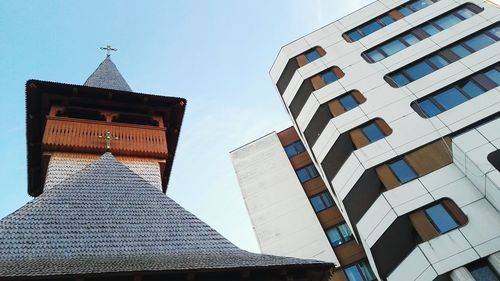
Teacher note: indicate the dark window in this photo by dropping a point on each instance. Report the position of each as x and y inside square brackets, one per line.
[359, 272]
[472, 89]
[450, 98]
[494, 75]
[329, 77]
[481, 271]
[373, 132]
[440, 218]
[312, 55]
[402, 171]
[430, 29]
[348, 102]
[294, 148]
[429, 108]
[432, 62]
[354, 35]
[321, 201]
[307, 173]
[339, 234]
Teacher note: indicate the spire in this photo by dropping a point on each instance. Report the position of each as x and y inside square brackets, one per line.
[107, 76]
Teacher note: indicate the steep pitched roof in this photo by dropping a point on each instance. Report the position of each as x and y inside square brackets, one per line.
[107, 219]
[107, 76]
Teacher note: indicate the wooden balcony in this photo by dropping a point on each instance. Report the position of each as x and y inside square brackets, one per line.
[79, 135]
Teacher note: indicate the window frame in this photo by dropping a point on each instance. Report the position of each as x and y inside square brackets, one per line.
[434, 223]
[294, 145]
[311, 175]
[360, 271]
[344, 240]
[321, 197]
[368, 125]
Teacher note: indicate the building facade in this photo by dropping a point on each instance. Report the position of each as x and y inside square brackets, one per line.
[398, 106]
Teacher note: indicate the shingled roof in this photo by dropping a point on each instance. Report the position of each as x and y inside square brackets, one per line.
[107, 76]
[107, 219]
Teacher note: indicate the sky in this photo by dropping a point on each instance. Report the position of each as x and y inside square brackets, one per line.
[216, 54]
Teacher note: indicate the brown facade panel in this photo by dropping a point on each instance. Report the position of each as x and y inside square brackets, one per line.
[431, 157]
[358, 138]
[314, 186]
[300, 160]
[288, 136]
[423, 226]
[338, 275]
[320, 51]
[335, 108]
[330, 217]
[387, 177]
[383, 126]
[317, 82]
[358, 96]
[395, 14]
[338, 72]
[302, 60]
[455, 211]
[349, 252]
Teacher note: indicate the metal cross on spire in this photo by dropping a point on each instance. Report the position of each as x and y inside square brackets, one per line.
[108, 137]
[108, 50]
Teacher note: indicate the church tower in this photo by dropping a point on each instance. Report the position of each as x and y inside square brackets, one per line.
[70, 126]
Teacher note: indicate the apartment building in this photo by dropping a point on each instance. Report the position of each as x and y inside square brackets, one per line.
[398, 106]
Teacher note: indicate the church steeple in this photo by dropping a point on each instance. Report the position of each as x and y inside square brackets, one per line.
[107, 76]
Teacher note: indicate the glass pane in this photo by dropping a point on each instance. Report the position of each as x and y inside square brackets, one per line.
[450, 98]
[402, 171]
[418, 70]
[375, 55]
[348, 102]
[399, 79]
[334, 236]
[472, 89]
[317, 203]
[353, 274]
[405, 11]
[372, 132]
[496, 31]
[418, 5]
[429, 108]
[367, 271]
[430, 29]
[392, 47]
[345, 232]
[438, 61]
[478, 42]
[312, 171]
[299, 147]
[410, 39]
[290, 151]
[329, 77]
[447, 21]
[483, 273]
[327, 199]
[312, 55]
[303, 175]
[441, 218]
[460, 51]
[494, 76]
[370, 28]
[465, 13]
[354, 35]
[386, 20]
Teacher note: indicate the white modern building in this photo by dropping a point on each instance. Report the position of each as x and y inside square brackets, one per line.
[398, 106]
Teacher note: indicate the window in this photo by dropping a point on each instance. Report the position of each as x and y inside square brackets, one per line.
[386, 19]
[348, 102]
[429, 108]
[450, 98]
[416, 34]
[481, 271]
[321, 201]
[312, 55]
[373, 132]
[329, 77]
[307, 173]
[359, 272]
[402, 170]
[440, 218]
[294, 149]
[339, 234]
[442, 57]
[493, 75]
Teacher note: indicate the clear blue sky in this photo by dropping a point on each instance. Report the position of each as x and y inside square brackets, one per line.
[216, 54]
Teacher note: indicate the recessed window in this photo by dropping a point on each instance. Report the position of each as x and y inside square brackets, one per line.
[493, 75]
[450, 98]
[312, 55]
[294, 149]
[441, 218]
[428, 64]
[339, 234]
[321, 201]
[482, 271]
[373, 132]
[402, 170]
[359, 272]
[329, 77]
[307, 173]
[348, 102]
[386, 19]
[418, 33]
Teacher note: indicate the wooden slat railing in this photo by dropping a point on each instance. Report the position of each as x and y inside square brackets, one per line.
[70, 134]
